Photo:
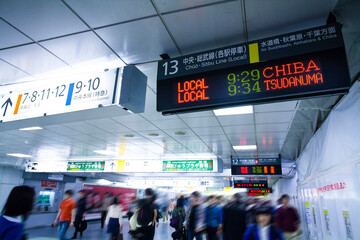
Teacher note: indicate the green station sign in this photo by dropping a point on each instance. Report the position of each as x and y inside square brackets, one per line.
[86, 166]
[188, 166]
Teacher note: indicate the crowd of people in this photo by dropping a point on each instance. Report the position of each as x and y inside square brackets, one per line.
[191, 217]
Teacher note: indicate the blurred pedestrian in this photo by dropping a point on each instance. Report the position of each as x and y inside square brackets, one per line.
[234, 219]
[66, 214]
[195, 217]
[17, 207]
[213, 219]
[178, 218]
[165, 208]
[114, 219]
[147, 215]
[80, 214]
[106, 202]
[287, 219]
[263, 229]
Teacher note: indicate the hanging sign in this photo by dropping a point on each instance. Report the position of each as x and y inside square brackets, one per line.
[188, 166]
[256, 166]
[250, 183]
[301, 64]
[54, 96]
[86, 166]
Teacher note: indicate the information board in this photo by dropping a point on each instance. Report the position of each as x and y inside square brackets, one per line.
[260, 190]
[86, 166]
[58, 95]
[291, 66]
[250, 183]
[256, 166]
[188, 166]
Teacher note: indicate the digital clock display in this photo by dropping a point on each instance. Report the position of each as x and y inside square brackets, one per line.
[256, 170]
[250, 184]
[294, 77]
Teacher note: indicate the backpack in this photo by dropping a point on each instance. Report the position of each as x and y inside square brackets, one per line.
[145, 214]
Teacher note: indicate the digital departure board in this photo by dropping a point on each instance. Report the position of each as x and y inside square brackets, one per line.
[250, 183]
[250, 74]
[262, 190]
[256, 166]
[256, 170]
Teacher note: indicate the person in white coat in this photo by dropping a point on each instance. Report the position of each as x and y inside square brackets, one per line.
[114, 219]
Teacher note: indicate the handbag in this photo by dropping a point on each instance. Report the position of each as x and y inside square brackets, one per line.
[174, 221]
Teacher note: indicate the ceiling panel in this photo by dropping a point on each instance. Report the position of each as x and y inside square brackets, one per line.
[167, 6]
[241, 138]
[99, 13]
[278, 127]
[84, 127]
[273, 117]
[13, 36]
[205, 131]
[109, 125]
[169, 124]
[201, 122]
[203, 28]
[270, 18]
[140, 126]
[276, 107]
[128, 40]
[41, 19]
[62, 130]
[239, 129]
[80, 48]
[32, 59]
[129, 118]
[236, 119]
[197, 114]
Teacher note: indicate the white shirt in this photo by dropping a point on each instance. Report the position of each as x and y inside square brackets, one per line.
[13, 219]
[114, 211]
[264, 233]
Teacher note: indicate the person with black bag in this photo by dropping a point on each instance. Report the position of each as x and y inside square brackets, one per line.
[147, 216]
[17, 207]
[80, 223]
[177, 220]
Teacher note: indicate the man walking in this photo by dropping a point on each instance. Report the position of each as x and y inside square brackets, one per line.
[80, 213]
[287, 219]
[195, 222]
[66, 214]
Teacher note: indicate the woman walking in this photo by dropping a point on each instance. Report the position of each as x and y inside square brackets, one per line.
[178, 218]
[114, 220]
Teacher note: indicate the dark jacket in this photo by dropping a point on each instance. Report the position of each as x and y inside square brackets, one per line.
[252, 233]
[80, 207]
[234, 221]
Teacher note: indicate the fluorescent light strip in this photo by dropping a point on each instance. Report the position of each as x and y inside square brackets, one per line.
[30, 128]
[245, 147]
[234, 111]
[19, 155]
[104, 152]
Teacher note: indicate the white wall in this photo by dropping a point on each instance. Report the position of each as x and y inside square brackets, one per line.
[285, 186]
[9, 178]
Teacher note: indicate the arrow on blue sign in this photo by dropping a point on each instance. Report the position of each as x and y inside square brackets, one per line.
[6, 104]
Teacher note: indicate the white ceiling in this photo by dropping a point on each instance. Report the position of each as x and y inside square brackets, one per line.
[38, 36]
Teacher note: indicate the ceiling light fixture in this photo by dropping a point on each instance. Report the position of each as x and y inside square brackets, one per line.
[245, 147]
[153, 134]
[104, 152]
[129, 135]
[181, 133]
[30, 128]
[234, 111]
[19, 155]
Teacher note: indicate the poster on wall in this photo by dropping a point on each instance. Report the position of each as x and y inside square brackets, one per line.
[314, 218]
[348, 228]
[327, 222]
[95, 195]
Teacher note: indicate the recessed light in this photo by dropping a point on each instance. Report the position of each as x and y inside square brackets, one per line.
[153, 134]
[104, 152]
[19, 155]
[129, 135]
[181, 133]
[245, 147]
[30, 128]
[234, 111]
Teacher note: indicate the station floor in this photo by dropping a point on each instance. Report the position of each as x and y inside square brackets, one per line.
[93, 232]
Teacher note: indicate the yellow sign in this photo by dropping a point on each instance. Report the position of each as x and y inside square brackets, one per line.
[254, 52]
[307, 204]
[326, 212]
[120, 166]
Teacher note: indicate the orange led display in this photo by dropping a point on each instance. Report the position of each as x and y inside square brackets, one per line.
[192, 91]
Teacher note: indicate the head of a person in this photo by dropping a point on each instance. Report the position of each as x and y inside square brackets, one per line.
[285, 199]
[180, 202]
[195, 197]
[115, 201]
[236, 198]
[20, 202]
[263, 216]
[149, 192]
[68, 194]
[81, 194]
